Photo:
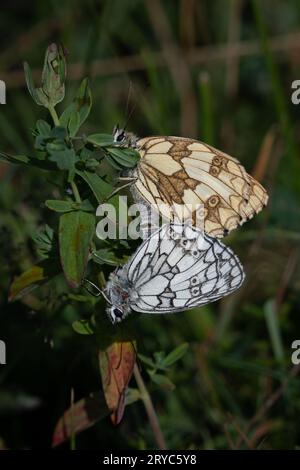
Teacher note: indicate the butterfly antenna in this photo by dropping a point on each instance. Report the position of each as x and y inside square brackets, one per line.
[129, 117]
[129, 113]
[94, 290]
[128, 98]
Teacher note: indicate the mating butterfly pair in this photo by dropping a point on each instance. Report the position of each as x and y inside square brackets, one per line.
[180, 267]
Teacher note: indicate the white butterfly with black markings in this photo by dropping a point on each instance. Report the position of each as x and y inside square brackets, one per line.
[177, 268]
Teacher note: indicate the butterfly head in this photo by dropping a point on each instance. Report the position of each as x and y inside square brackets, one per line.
[124, 138]
[117, 290]
[119, 135]
[115, 314]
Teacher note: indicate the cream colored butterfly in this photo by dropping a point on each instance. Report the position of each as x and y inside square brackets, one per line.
[181, 172]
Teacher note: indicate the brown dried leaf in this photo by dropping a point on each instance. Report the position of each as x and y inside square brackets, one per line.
[116, 368]
[82, 415]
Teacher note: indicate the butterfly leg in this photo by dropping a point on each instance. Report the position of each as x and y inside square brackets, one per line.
[128, 178]
[116, 191]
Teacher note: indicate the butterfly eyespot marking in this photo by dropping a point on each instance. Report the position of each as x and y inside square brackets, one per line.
[195, 291]
[213, 201]
[195, 253]
[217, 161]
[194, 280]
[214, 170]
[172, 234]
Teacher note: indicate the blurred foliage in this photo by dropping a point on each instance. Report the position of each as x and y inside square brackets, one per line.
[235, 386]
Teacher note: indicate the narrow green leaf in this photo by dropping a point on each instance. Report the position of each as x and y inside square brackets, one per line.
[271, 317]
[77, 112]
[14, 158]
[105, 256]
[25, 160]
[31, 278]
[76, 230]
[60, 206]
[83, 104]
[30, 84]
[113, 163]
[162, 381]
[23, 284]
[132, 395]
[82, 327]
[100, 188]
[147, 360]
[175, 355]
[100, 140]
[127, 158]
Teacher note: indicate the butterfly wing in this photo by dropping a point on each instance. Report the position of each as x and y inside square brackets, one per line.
[184, 173]
[178, 268]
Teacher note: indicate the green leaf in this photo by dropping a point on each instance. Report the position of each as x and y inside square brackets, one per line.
[30, 84]
[120, 158]
[53, 75]
[123, 157]
[132, 395]
[87, 206]
[44, 241]
[59, 133]
[105, 256]
[100, 140]
[147, 360]
[271, 316]
[175, 355]
[60, 206]
[77, 112]
[100, 188]
[91, 164]
[52, 90]
[64, 159]
[43, 128]
[76, 230]
[162, 381]
[31, 278]
[14, 158]
[82, 327]
[113, 163]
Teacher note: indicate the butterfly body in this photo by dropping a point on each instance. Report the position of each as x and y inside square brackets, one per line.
[177, 268]
[176, 174]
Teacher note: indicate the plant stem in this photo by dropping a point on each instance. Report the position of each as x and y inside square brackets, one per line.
[75, 191]
[54, 115]
[154, 423]
[73, 437]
